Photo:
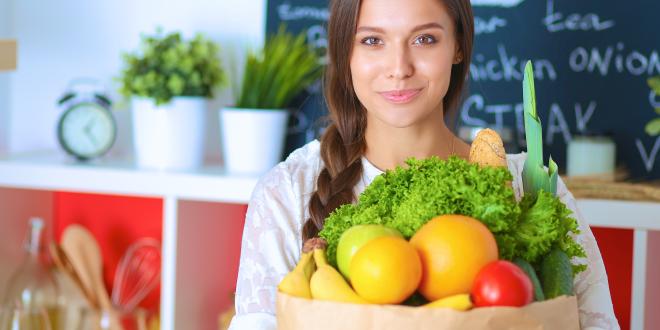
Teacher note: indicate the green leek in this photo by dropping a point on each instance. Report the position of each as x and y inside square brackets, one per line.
[535, 176]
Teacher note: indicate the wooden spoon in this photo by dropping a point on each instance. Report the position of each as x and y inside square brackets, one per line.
[85, 256]
[64, 265]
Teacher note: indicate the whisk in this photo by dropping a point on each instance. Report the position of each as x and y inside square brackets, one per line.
[137, 274]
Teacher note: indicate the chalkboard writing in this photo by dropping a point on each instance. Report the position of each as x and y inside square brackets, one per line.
[591, 63]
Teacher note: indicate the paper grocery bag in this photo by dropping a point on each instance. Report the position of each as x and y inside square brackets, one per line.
[304, 314]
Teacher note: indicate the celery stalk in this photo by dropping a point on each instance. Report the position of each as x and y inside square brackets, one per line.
[535, 176]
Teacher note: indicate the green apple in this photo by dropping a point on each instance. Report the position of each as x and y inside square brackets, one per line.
[354, 238]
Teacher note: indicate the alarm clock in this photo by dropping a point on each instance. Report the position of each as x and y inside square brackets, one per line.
[86, 127]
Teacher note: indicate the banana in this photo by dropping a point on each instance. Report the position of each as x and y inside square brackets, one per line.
[328, 284]
[296, 282]
[459, 302]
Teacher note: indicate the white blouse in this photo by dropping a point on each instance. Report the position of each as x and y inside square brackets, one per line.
[278, 209]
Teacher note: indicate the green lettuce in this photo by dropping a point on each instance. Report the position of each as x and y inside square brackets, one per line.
[407, 198]
[546, 222]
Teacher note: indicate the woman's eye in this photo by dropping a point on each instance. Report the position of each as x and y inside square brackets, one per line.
[424, 40]
[371, 41]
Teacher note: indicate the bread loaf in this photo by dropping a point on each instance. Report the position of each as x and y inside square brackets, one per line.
[487, 149]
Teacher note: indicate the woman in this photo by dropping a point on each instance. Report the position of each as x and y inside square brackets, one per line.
[396, 70]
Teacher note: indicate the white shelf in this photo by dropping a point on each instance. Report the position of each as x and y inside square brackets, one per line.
[56, 171]
[620, 214]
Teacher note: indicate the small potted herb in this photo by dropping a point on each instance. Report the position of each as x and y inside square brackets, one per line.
[169, 81]
[253, 131]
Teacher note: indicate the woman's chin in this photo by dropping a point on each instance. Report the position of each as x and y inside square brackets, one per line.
[401, 121]
[401, 116]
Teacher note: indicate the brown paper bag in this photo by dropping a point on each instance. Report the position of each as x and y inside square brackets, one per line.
[304, 314]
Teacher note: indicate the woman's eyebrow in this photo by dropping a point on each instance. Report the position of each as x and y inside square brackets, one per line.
[430, 25]
[369, 29]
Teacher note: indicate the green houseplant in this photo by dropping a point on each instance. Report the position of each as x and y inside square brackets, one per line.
[653, 126]
[168, 66]
[169, 80]
[279, 72]
[253, 131]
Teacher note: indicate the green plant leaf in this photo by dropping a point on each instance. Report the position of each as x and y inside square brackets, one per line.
[167, 66]
[278, 72]
[654, 83]
[653, 127]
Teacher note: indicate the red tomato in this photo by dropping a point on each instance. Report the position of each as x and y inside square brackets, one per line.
[502, 283]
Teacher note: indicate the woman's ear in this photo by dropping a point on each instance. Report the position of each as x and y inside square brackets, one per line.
[458, 57]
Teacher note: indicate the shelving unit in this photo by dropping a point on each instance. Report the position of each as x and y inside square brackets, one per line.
[53, 171]
[640, 217]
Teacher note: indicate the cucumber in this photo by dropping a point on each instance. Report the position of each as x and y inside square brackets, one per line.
[531, 273]
[416, 299]
[556, 274]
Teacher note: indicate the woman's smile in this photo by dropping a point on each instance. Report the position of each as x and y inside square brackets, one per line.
[400, 96]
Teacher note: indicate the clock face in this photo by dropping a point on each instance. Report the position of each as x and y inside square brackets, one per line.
[86, 130]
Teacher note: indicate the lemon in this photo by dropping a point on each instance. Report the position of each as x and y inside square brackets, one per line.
[386, 270]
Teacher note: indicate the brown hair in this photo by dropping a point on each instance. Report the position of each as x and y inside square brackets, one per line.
[343, 143]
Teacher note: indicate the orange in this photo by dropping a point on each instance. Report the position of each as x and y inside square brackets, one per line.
[453, 248]
[386, 270]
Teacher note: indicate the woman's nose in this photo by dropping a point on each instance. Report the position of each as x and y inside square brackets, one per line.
[400, 65]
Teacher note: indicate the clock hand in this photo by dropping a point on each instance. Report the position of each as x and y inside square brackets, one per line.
[88, 126]
[91, 137]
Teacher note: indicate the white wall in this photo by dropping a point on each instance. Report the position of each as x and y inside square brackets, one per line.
[5, 32]
[62, 40]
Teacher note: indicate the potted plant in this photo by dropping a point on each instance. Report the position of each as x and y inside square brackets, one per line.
[169, 82]
[253, 131]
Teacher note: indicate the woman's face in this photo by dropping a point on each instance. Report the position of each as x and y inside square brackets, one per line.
[402, 58]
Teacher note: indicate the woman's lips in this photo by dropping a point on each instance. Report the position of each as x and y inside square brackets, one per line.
[400, 96]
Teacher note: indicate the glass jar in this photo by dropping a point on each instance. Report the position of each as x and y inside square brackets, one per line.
[92, 319]
[24, 319]
[32, 290]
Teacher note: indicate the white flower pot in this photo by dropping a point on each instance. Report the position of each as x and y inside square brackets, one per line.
[252, 139]
[169, 136]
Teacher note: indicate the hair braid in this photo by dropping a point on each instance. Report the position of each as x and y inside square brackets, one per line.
[343, 169]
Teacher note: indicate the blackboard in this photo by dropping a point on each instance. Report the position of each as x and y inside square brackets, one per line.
[592, 59]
